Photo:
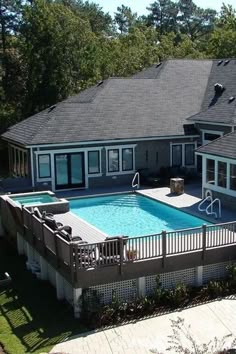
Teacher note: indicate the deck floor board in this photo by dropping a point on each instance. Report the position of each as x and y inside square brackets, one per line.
[81, 228]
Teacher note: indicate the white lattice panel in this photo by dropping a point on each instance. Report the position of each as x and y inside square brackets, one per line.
[169, 280]
[124, 290]
[214, 271]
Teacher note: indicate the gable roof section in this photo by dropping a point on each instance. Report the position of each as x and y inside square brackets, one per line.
[217, 109]
[122, 108]
[224, 146]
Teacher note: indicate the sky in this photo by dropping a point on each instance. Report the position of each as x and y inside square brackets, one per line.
[139, 6]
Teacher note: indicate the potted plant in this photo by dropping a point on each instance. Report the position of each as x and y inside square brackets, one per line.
[131, 255]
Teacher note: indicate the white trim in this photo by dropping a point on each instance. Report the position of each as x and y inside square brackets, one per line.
[120, 148]
[183, 154]
[211, 123]
[118, 141]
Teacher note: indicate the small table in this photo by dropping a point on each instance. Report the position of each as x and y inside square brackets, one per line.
[177, 185]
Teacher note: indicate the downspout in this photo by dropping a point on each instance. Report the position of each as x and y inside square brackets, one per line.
[32, 166]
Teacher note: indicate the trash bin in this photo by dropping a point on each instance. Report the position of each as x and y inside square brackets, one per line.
[177, 185]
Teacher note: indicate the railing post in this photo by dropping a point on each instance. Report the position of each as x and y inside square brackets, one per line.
[163, 235]
[204, 232]
[121, 246]
[73, 275]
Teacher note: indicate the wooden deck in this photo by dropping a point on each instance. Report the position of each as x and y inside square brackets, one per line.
[81, 228]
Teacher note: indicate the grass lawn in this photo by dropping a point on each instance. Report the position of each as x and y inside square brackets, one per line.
[32, 320]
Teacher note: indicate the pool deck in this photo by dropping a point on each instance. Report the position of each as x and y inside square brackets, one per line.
[81, 228]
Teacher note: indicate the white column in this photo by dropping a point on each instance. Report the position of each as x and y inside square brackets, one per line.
[43, 268]
[204, 172]
[141, 286]
[198, 275]
[76, 296]
[20, 244]
[59, 286]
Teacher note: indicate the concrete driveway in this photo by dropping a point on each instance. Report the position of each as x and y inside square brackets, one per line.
[215, 319]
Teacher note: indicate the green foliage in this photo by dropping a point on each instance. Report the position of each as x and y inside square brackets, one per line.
[231, 269]
[124, 18]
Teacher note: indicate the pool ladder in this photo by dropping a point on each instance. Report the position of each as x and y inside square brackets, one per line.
[209, 209]
[134, 183]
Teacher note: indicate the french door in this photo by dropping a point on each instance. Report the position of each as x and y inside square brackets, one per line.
[69, 170]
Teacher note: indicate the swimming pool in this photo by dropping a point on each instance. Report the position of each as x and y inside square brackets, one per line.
[42, 198]
[131, 215]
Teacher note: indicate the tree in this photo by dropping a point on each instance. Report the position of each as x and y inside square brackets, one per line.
[60, 52]
[223, 38]
[124, 18]
[195, 21]
[163, 16]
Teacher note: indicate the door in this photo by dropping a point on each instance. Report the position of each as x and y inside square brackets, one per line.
[69, 170]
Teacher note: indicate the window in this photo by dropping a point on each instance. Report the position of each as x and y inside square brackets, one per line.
[44, 166]
[120, 160]
[113, 160]
[222, 174]
[176, 155]
[18, 161]
[233, 177]
[93, 162]
[127, 159]
[210, 177]
[189, 154]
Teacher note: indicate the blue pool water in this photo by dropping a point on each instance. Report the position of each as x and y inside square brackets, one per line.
[35, 199]
[131, 215]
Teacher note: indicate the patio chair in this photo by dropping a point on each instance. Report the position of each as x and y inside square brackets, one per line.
[110, 252]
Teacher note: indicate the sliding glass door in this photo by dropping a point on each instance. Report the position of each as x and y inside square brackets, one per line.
[69, 170]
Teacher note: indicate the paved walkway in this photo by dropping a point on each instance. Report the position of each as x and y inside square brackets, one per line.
[215, 319]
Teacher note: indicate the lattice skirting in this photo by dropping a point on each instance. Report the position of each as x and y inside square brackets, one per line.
[124, 291]
[129, 289]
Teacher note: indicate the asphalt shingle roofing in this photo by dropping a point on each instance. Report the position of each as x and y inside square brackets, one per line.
[224, 146]
[153, 103]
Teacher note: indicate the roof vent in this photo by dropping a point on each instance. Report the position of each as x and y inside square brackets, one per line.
[226, 62]
[99, 83]
[50, 109]
[231, 99]
[159, 64]
[220, 62]
[219, 88]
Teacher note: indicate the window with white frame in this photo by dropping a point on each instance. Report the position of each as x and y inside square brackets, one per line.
[44, 166]
[127, 159]
[183, 154]
[233, 177]
[210, 171]
[222, 174]
[18, 161]
[94, 162]
[120, 159]
[177, 155]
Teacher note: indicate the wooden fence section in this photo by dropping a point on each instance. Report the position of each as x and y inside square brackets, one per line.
[121, 250]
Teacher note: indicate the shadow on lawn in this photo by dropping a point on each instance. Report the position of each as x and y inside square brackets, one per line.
[30, 306]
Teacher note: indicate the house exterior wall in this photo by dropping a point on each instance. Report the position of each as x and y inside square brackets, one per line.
[151, 155]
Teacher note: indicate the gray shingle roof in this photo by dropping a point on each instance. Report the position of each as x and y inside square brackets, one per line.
[155, 104]
[217, 109]
[224, 146]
